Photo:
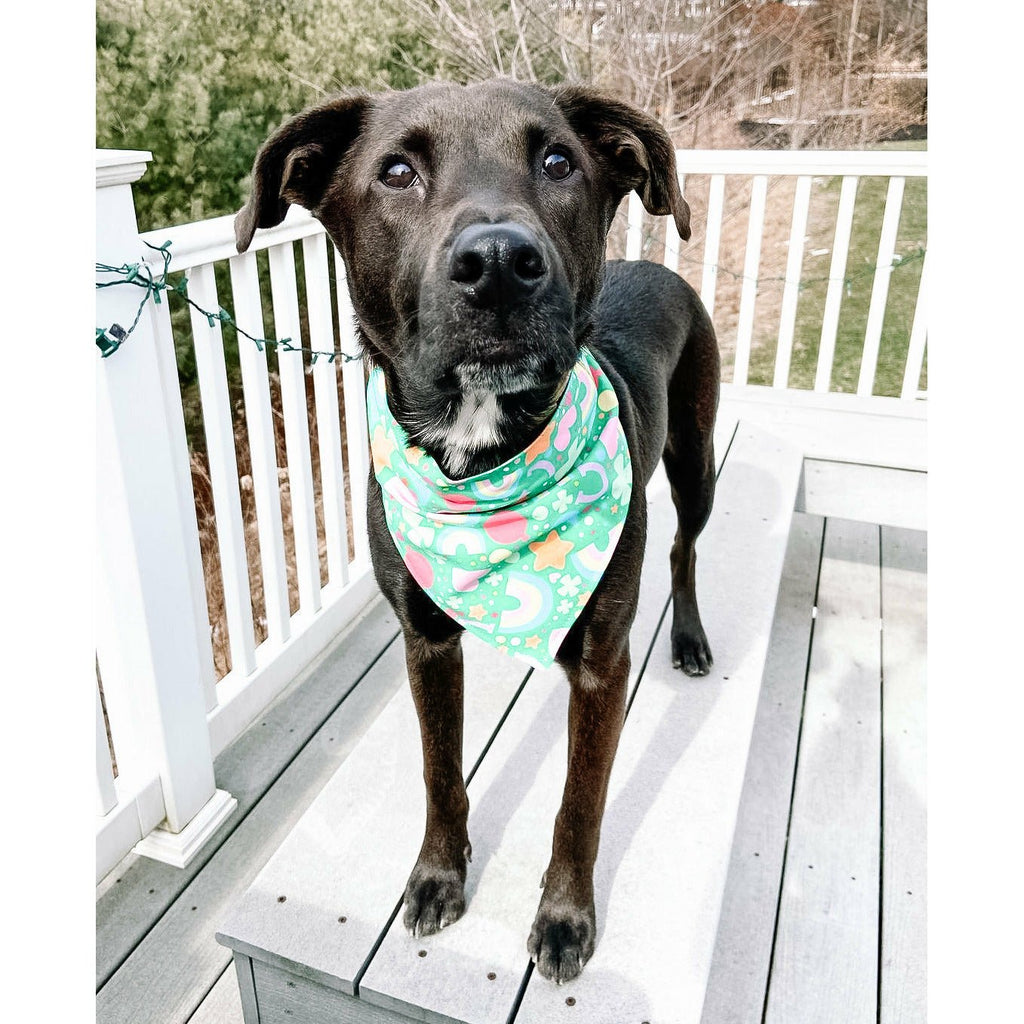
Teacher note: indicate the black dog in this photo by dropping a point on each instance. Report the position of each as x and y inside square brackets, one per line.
[472, 221]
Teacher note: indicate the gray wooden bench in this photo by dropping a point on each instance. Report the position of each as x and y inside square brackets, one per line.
[317, 937]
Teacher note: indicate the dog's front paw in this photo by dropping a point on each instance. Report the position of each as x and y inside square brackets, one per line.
[434, 898]
[562, 939]
[691, 651]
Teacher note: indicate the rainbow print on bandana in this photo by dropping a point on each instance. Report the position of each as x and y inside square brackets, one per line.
[512, 554]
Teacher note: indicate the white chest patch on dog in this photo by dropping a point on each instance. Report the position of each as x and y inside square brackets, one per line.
[475, 426]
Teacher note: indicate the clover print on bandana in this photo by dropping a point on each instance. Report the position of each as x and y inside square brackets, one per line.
[512, 554]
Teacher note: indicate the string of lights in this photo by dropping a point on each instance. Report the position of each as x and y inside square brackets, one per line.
[110, 339]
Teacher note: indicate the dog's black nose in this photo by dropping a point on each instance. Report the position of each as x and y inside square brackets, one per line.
[497, 264]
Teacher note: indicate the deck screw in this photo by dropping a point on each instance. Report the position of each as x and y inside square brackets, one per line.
[342, 920]
[281, 899]
[491, 975]
[423, 952]
[570, 1001]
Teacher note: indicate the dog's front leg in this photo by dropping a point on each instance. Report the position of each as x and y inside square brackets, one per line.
[435, 893]
[562, 938]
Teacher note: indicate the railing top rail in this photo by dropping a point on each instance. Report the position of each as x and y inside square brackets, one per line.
[120, 166]
[207, 241]
[909, 163]
[113, 157]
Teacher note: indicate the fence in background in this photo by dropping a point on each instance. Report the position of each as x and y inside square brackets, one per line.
[804, 169]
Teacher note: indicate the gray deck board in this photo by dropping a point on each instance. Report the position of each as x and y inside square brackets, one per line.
[826, 949]
[140, 890]
[871, 494]
[845, 428]
[222, 1005]
[739, 970]
[169, 971]
[904, 778]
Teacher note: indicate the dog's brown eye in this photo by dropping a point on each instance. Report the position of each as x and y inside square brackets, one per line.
[557, 166]
[398, 175]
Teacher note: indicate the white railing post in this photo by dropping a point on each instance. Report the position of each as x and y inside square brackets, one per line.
[148, 644]
[635, 227]
[106, 792]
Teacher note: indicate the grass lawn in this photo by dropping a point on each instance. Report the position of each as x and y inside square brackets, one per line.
[859, 274]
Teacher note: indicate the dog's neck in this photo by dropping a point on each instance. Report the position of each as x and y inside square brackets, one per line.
[470, 432]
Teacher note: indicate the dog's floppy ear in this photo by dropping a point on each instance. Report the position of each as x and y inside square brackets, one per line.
[634, 148]
[296, 163]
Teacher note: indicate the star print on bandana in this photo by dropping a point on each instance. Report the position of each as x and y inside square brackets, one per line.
[550, 553]
[512, 554]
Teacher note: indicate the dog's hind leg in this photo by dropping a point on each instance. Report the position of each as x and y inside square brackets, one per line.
[689, 459]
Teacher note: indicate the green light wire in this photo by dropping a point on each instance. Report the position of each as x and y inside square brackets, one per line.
[110, 339]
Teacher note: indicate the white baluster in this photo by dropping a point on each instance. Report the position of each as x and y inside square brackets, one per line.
[296, 426]
[751, 263]
[259, 420]
[836, 284]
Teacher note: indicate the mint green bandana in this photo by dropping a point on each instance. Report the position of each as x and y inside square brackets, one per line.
[515, 553]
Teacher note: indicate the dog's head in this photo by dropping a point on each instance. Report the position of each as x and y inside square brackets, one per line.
[472, 220]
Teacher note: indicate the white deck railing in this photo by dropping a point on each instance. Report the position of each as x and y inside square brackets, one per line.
[804, 166]
[167, 713]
